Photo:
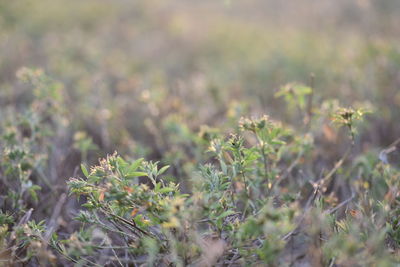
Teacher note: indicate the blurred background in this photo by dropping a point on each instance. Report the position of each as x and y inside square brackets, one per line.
[80, 79]
[148, 78]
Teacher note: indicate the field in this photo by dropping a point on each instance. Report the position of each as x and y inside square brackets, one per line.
[199, 133]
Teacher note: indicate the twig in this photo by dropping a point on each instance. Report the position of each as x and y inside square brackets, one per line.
[25, 218]
[307, 207]
[236, 256]
[53, 223]
[310, 102]
[319, 185]
[332, 210]
[332, 263]
[338, 164]
[132, 224]
[392, 147]
[287, 172]
[264, 156]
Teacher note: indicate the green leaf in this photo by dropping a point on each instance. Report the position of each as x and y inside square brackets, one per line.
[163, 169]
[94, 179]
[157, 187]
[121, 162]
[225, 214]
[84, 170]
[277, 142]
[224, 168]
[33, 193]
[166, 190]
[135, 174]
[88, 205]
[135, 165]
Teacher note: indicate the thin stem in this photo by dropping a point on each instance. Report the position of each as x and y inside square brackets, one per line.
[264, 156]
[310, 102]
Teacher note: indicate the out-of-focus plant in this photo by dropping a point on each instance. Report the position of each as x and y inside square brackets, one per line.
[24, 148]
[349, 117]
[84, 144]
[295, 95]
[254, 198]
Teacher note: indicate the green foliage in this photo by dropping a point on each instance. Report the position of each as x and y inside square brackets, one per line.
[24, 154]
[202, 179]
[348, 117]
[248, 205]
[233, 202]
[295, 95]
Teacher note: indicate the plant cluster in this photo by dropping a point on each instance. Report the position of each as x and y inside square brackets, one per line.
[255, 200]
[201, 177]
